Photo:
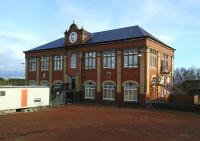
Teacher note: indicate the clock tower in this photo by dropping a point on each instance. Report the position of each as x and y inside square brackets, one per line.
[76, 36]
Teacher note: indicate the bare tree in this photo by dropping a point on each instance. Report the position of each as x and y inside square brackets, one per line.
[183, 74]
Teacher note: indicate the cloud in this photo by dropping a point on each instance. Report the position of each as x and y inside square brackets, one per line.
[12, 46]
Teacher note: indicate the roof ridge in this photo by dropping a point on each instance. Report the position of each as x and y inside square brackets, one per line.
[115, 29]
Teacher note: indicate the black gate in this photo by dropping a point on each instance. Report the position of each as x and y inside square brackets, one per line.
[61, 94]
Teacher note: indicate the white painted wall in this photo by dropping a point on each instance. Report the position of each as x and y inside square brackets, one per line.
[12, 98]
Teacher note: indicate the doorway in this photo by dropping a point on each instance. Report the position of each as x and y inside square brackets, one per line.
[72, 82]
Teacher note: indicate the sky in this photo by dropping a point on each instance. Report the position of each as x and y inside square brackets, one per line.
[25, 24]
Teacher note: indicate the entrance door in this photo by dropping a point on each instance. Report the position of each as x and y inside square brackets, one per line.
[72, 82]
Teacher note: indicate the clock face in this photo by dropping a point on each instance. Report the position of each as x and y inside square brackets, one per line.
[73, 37]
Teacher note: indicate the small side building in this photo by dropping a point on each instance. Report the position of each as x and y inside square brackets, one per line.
[20, 97]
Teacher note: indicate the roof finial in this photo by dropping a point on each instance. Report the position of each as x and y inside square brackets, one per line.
[73, 22]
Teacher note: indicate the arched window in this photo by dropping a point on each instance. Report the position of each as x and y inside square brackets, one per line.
[32, 83]
[73, 60]
[44, 83]
[130, 92]
[109, 91]
[57, 85]
[90, 90]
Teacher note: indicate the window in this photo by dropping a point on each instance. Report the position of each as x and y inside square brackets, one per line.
[44, 63]
[44, 83]
[108, 91]
[90, 91]
[109, 59]
[165, 61]
[90, 60]
[152, 58]
[2, 93]
[58, 62]
[130, 92]
[32, 83]
[73, 60]
[32, 64]
[130, 58]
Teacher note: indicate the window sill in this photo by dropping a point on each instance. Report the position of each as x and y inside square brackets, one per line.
[130, 101]
[57, 70]
[152, 67]
[91, 98]
[109, 68]
[90, 69]
[131, 67]
[108, 99]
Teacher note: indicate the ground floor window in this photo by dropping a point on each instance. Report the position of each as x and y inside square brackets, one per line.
[130, 92]
[44, 83]
[108, 91]
[90, 90]
[32, 83]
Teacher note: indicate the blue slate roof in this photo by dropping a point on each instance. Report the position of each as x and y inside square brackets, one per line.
[131, 32]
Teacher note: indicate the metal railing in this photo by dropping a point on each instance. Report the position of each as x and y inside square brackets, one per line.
[165, 70]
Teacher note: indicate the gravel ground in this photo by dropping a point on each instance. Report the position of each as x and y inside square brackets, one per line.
[97, 123]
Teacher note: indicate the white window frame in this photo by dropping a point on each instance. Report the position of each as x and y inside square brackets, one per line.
[109, 59]
[90, 90]
[165, 61]
[73, 60]
[109, 91]
[90, 60]
[131, 58]
[44, 63]
[153, 58]
[32, 64]
[58, 62]
[130, 91]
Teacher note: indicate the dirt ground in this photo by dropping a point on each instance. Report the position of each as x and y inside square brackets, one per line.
[95, 123]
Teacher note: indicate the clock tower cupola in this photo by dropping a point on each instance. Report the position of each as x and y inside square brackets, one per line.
[76, 36]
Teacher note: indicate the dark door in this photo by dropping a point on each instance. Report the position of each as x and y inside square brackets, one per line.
[73, 82]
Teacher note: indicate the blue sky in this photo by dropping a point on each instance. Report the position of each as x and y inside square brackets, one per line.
[25, 24]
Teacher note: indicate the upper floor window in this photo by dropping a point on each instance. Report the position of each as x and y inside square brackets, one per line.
[109, 59]
[32, 64]
[90, 60]
[73, 60]
[130, 58]
[165, 61]
[44, 63]
[58, 62]
[152, 58]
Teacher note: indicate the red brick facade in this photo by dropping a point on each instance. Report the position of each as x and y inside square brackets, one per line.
[141, 75]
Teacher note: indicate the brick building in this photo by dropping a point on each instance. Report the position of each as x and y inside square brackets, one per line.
[114, 66]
